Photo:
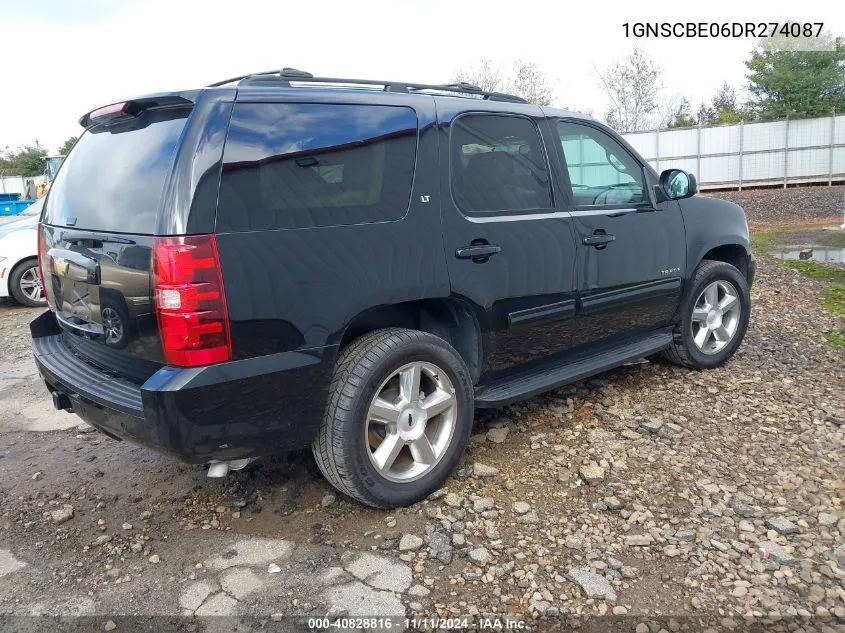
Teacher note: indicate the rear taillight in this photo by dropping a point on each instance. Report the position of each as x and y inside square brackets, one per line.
[42, 257]
[190, 301]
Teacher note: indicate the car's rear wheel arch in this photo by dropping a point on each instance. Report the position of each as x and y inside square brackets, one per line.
[448, 319]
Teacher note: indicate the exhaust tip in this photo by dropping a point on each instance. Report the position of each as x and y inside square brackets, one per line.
[218, 469]
[221, 469]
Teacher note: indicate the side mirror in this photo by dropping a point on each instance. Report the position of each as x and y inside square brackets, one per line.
[678, 184]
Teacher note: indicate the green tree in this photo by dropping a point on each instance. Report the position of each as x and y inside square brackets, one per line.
[28, 160]
[67, 146]
[705, 115]
[5, 163]
[785, 81]
[725, 108]
[682, 116]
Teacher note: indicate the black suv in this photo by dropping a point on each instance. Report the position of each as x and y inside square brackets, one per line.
[280, 260]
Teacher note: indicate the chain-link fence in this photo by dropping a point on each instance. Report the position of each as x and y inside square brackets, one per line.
[785, 152]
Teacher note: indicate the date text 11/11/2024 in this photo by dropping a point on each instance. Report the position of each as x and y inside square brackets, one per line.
[723, 29]
[417, 623]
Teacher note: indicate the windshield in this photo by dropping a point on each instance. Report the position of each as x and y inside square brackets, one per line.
[114, 177]
[34, 208]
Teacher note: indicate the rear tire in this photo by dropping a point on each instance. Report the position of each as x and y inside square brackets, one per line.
[714, 317]
[385, 441]
[25, 284]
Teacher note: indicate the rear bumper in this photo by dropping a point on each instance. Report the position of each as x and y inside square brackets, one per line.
[247, 408]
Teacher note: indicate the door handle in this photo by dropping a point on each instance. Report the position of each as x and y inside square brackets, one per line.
[479, 253]
[599, 240]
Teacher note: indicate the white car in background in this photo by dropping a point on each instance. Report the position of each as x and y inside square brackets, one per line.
[19, 276]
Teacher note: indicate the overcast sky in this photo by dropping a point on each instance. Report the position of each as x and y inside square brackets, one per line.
[63, 58]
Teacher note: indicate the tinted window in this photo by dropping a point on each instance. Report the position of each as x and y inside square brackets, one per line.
[601, 172]
[113, 178]
[498, 164]
[304, 165]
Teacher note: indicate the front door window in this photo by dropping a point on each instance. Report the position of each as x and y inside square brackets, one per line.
[601, 172]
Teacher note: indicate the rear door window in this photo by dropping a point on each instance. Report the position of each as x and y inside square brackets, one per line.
[299, 165]
[114, 177]
[498, 164]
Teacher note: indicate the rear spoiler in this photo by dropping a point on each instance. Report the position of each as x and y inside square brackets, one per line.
[134, 107]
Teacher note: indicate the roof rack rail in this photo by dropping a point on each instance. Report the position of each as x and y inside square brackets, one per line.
[286, 73]
[285, 76]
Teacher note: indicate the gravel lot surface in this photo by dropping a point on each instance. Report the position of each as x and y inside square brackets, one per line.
[795, 205]
[651, 493]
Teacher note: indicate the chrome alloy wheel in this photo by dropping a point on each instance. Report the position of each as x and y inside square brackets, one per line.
[715, 316]
[30, 284]
[411, 421]
[112, 325]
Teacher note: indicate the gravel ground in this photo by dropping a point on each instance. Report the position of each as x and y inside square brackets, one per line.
[652, 493]
[675, 492]
[795, 205]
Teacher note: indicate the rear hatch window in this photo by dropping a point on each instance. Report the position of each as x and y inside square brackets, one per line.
[97, 238]
[114, 177]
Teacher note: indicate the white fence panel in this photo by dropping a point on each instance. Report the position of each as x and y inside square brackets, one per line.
[839, 133]
[687, 164]
[12, 184]
[719, 168]
[810, 132]
[748, 154]
[644, 142]
[679, 143]
[759, 137]
[838, 162]
[806, 163]
[720, 140]
[762, 167]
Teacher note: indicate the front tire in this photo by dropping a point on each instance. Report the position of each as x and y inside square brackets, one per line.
[713, 319]
[399, 417]
[25, 284]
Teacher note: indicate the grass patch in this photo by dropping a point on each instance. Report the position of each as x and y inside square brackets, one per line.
[763, 241]
[836, 337]
[834, 300]
[832, 239]
[815, 270]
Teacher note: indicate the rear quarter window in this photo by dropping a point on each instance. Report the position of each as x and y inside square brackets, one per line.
[299, 165]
